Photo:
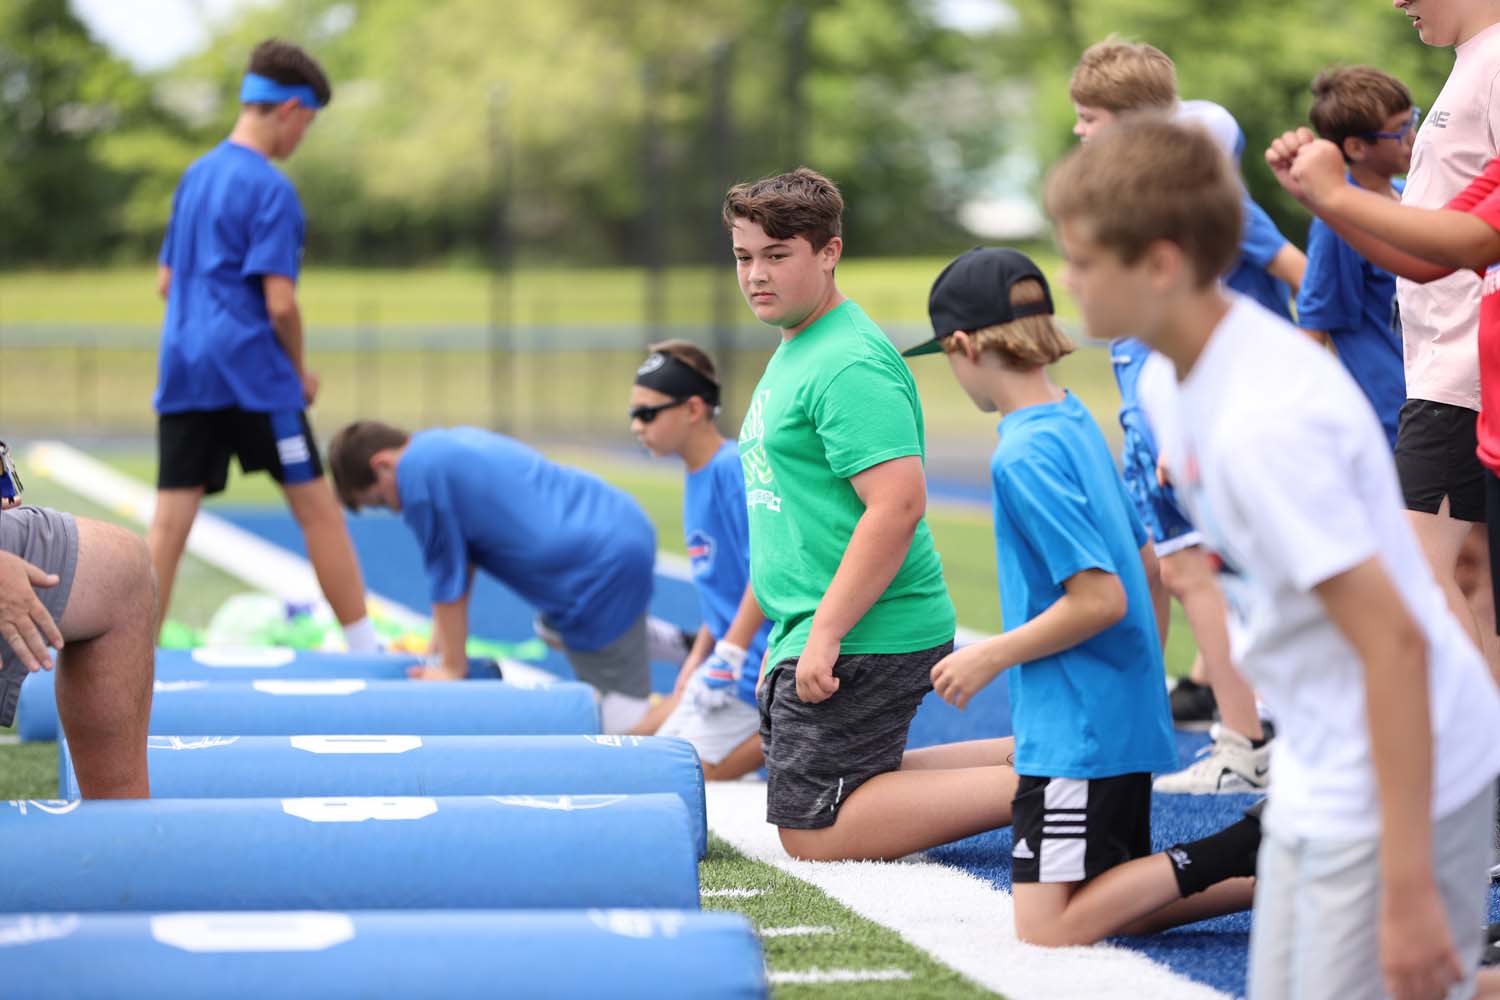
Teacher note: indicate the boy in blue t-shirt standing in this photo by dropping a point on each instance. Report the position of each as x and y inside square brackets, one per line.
[1088, 693]
[672, 408]
[1345, 298]
[577, 549]
[232, 378]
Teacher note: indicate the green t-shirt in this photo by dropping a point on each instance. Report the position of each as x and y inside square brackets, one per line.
[834, 400]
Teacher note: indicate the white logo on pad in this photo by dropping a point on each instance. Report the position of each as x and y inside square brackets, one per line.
[347, 685]
[560, 803]
[615, 741]
[52, 807]
[28, 928]
[189, 742]
[356, 744]
[234, 932]
[638, 923]
[274, 657]
[357, 810]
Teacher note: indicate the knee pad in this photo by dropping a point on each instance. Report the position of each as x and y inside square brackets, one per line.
[1230, 853]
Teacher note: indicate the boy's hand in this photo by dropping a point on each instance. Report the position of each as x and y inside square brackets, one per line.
[1283, 153]
[434, 671]
[1417, 955]
[716, 681]
[958, 676]
[25, 625]
[1163, 473]
[815, 680]
[1319, 170]
[309, 387]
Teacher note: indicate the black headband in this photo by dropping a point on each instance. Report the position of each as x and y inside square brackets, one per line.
[674, 377]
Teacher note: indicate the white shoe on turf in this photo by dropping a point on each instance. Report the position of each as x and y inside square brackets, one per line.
[1228, 764]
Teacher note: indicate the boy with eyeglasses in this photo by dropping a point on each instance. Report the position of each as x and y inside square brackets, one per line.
[579, 550]
[1345, 299]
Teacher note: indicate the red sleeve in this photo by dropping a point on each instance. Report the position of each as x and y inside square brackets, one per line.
[1481, 199]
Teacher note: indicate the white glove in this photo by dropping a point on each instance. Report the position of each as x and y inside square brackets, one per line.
[715, 683]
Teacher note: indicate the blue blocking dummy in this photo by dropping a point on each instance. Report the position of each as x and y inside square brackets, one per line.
[234, 767]
[620, 954]
[490, 852]
[37, 714]
[354, 706]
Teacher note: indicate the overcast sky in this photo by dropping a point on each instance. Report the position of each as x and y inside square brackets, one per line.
[154, 33]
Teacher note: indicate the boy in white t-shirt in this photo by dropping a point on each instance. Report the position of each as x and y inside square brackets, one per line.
[1371, 872]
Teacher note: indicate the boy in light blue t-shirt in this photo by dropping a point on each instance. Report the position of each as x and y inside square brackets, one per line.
[577, 549]
[672, 408]
[1088, 692]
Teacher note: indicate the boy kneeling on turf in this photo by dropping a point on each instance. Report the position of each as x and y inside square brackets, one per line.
[1088, 691]
[577, 549]
[1377, 831]
[672, 408]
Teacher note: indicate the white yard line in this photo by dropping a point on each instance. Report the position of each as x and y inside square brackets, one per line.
[776, 932]
[731, 893]
[960, 920]
[838, 976]
[261, 564]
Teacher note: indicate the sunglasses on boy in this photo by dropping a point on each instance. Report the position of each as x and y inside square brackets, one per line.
[1402, 133]
[646, 414]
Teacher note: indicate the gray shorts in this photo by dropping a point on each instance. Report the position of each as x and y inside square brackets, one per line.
[623, 666]
[817, 755]
[1317, 908]
[48, 539]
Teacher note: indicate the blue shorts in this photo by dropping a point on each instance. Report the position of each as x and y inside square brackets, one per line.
[1156, 505]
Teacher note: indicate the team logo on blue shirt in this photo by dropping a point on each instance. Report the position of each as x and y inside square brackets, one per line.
[700, 549]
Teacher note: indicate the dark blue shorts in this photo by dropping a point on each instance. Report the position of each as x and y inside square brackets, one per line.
[1156, 505]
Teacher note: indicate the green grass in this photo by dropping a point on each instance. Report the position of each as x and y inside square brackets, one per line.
[856, 943]
[891, 289]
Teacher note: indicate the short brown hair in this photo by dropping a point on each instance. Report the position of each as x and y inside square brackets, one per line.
[1118, 75]
[802, 203]
[1353, 99]
[689, 354]
[289, 64]
[1145, 179]
[349, 455]
[1028, 342]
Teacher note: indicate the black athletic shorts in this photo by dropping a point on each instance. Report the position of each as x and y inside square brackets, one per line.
[1436, 459]
[1492, 528]
[1074, 829]
[817, 755]
[194, 448]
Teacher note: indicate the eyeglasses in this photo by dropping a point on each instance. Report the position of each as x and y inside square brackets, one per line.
[646, 414]
[1400, 134]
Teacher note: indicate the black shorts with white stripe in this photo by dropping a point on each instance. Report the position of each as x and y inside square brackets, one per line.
[1073, 829]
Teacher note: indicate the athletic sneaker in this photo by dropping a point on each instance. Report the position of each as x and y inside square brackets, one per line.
[666, 643]
[1492, 946]
[1228, 764]
[1192, 703]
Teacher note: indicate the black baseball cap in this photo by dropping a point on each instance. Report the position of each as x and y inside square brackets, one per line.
[973, 292]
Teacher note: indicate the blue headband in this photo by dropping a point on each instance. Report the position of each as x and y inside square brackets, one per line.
[259, 89]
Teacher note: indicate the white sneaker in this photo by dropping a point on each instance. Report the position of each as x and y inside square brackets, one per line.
[1228, 764]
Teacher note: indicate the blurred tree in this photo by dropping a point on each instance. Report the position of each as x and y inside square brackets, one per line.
[60, 93]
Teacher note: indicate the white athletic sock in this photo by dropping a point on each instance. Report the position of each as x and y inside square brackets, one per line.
[360, 636]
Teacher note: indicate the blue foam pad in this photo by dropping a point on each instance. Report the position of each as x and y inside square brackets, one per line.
[621, 954]
[490, 852]
[282, 766]
[37, 714]
[355, 706]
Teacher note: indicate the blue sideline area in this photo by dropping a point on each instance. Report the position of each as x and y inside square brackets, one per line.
[1212, 952]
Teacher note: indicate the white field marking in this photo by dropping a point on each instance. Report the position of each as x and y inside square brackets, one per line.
[6, 739]
[838, 976]
[960, 920]
[730, 893]
[261, 564]
[676, 567]
[800, 931]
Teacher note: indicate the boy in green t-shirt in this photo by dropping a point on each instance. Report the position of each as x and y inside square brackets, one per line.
[841, 558]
